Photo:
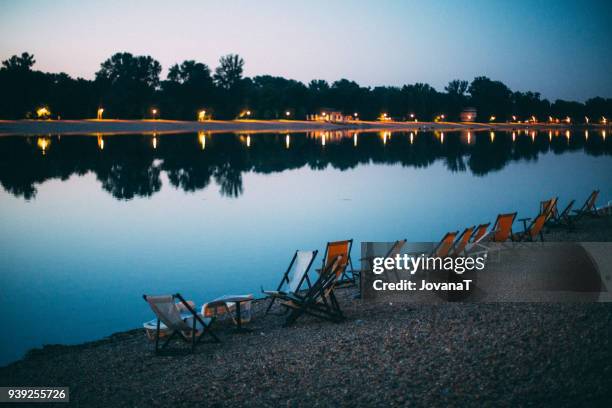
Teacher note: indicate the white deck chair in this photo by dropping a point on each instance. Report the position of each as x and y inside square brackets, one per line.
[177, 319]
[294, 277]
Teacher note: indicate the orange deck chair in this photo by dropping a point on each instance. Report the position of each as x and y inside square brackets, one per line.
[443, 248]
[549, 208]
[342, 248]
[480, 232]
[588, 208]
[534, 230]
[502, 229]
[462, 241]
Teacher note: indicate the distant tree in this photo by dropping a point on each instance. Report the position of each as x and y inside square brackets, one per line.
[457, 87]
[127, 84]
[491, 98]
[25, 62]
[229, 72]
[189, 87]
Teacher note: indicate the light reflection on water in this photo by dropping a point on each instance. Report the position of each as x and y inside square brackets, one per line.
[90, 223]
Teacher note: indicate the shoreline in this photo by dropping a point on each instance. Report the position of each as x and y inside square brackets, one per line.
[161, 126]
[384, 353]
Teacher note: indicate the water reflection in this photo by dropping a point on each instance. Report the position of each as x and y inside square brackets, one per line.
[131, 166]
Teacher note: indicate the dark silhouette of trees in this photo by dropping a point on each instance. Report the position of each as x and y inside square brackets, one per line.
[16, 63]
[188, 89]
[490, 98]
[129, 86]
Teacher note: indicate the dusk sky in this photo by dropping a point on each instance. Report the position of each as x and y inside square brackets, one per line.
[559, 48]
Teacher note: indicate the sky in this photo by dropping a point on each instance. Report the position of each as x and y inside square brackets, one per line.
[561, 49]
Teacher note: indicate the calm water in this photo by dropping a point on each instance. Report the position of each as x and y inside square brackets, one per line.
[88, 224]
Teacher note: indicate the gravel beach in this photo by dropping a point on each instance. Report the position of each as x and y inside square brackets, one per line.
[384, 354]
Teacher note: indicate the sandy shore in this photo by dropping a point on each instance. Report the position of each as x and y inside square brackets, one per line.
[383, 355]
[37, 127]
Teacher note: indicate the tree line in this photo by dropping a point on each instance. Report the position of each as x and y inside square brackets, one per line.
[129, 87]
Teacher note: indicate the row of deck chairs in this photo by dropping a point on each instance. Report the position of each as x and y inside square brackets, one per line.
[457, 244]
[300, 293]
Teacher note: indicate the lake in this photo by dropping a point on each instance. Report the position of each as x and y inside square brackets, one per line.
[90, 223]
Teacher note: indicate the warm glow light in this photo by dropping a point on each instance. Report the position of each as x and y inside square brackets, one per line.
[248, 140]
[469, 117]
[287, 141]
[586, 119]
[323, 140]
[533, 134]
[412, 115]
[604, 120]
[514, 118]
[586, 135]
[287, 113]
[154, 142]
[442, 137]
[355, 140]
[202, 115]
[568, 120]
[411, 138]
[100, 142]
[43, 143]
[355, 114]
[248, 113]
[567, 135]
[492, 136]
[100, 112]
[43, 112]
[550, 135]
[469, 137]
[492, 118]
[603, 135]
[514, 136]
[533, 119]
[202, 139]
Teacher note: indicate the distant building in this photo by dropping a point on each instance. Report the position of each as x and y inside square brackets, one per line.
[468, 115]
[329, 115]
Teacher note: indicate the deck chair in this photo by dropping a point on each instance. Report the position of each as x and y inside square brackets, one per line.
[534, 230]
[549, 207]
[319, 300]
[563, 219]
[394, 250]
[294, 277]
[462, 241]
[342, 248]
[178, 320]
[444, 247]
[588, 208]
[502, 229]
[480, 232]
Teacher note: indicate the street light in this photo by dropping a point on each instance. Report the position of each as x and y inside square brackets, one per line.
[154, 112]
[492, 118]
[287, 113]
[43, 112]
[202, 115]
[586, 119]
